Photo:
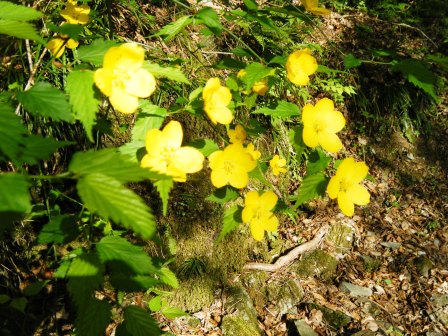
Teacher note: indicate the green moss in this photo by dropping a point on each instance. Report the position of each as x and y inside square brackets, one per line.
[334, 318]
[286, 295]
[317, 263]
[255, 282]
[236, 326]
[341, 237]
[193, 294]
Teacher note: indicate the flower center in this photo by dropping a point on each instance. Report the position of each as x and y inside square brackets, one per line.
[228, 167]
[319, 126]
[121, 76]
[345, 184]
[167, 153]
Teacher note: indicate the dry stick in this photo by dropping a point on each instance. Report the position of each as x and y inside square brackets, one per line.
[292, 255]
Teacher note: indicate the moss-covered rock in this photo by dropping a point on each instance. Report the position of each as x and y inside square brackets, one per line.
[340, 237]
[237, 326]
[285, 295]
[315, 264]
[334, 318]
[255, 284]
[194, 294]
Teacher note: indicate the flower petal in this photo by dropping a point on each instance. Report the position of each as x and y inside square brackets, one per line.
[188, 160]
[251, 198]
[71, 44]
[308, 115]
[324, 105]
[308, 63]
[346, 167]
[271, 224]
[358, 194]
[329, 141]
[56, 47]
[216, 159]
[173, 134]
[219, 177]
[141, 84]
[154, 141]
[238, 178]
[345, 204]
[359, 172]
[247, 214]
[257, 230]
[333, 187]
[123, 102]
[129, 56]
[103, 80]
[334, 122]
[310, 136]
[298, 77]
[268, 200]
[222, 115]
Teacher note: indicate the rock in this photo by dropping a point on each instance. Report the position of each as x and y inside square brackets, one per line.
[423, 265]
[440, 312]
[366, 333]
[341, 237]
[285, 295]
[300, 328]
[255, 284]
[317, 263]
[334, 318]
[354, 290]
[242, 316]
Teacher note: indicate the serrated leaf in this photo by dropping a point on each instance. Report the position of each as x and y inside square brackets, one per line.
[60, 229]
[350, 61]
[107, 197]
[170, 73]
[35, 287]
[11, 132]
[223, 195]
[418, 74]
[283, 109]
[164, 187]
[251, 4]
[121, 255]
[110, 162]
[83, 98]
[232, 219]
[131, 283]
[173, 312]
[254, 72]
[94, 53]
[133, 151]
[155, 304]
[173, 28]
[37, 148]
[168, 277]
[296, 139]
[8, 10]
[20, 29]
[72, 30]
[150, 117]
[93, 319]
[317, 162]
[205, 146]
[312, 186]
[210, 18]
[14, 195]
[266, 23]
[139, 322]
[45, 100]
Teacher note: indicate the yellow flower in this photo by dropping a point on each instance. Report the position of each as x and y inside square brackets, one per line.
[277, 165]
[75, 14]
[346, 188]
[257, 212]
[312, 6]
[254, 153]
[216, 99]
[300, 65]
[237, 135]
[231, 165]
[58, 44]
[261, 87]
[122, 79]
[165, 154]
[320, 125]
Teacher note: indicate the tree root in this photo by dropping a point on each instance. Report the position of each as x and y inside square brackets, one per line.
[292, 255]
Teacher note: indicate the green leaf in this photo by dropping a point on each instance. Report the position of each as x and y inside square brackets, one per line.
[34, 288]
[173, 312]
[72, 30]
[155, 304]
[418, 74]
[205, 146]
[133, 151]
[138, 322]
[11, 133]
[94, 318]
[312, 186]
[10, 11]
[19, 304]
[164, 187]
[254, 72]
[110, 162]
[107, 197]
[37, 148]
[266, 23]
[283, 109]
[168, 277]
[60, 229]
[223, 195]
[170, 73]
[350, 61]
[173, 28]
[131, 283]
[232, 219]
[94, 53]
[296, 139]
[251, 4]
[150, 117]
[45, 100]
[83, 98]
[121, 255]
[14, 196]
[317, 162]
[210, 18]
[20, 29]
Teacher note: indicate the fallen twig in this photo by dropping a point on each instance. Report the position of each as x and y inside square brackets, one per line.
[292, 255]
